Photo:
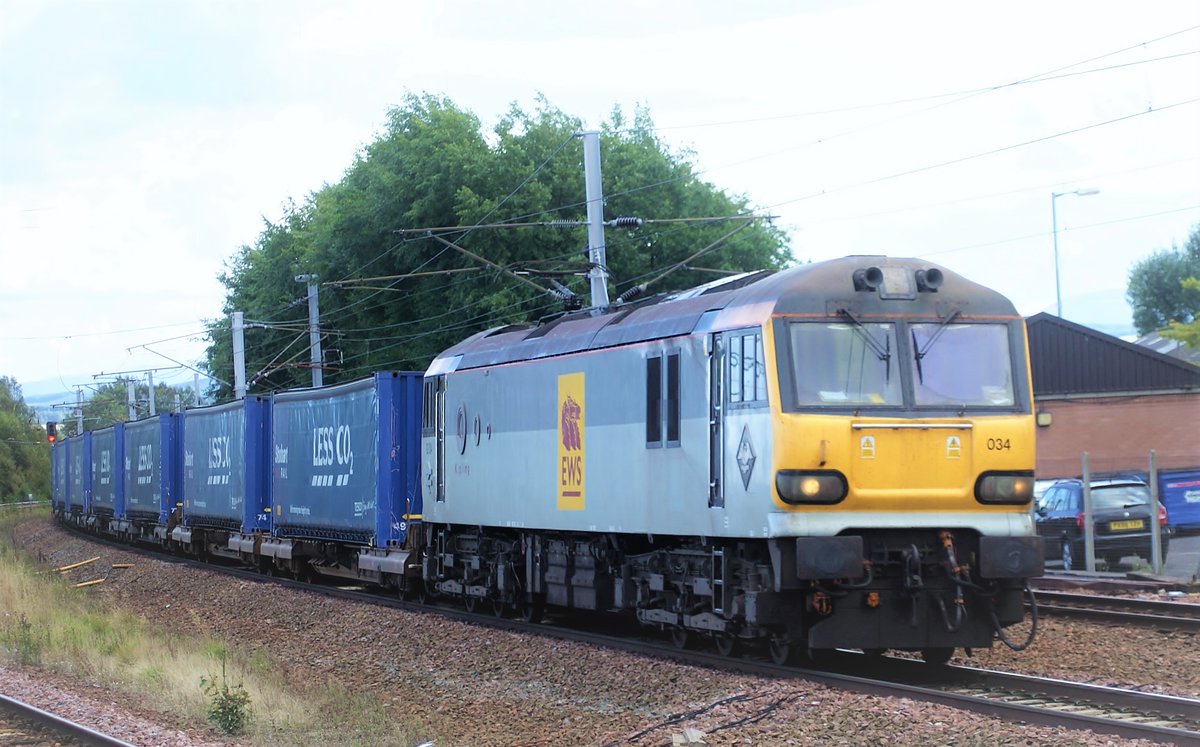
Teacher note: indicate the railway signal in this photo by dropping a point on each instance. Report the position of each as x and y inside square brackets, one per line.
[51, 431]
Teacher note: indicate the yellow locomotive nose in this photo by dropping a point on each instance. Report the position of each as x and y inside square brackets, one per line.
[911, 459]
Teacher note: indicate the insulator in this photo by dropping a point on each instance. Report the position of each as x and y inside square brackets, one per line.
[631, 294]
[561, 223]
[625, 221]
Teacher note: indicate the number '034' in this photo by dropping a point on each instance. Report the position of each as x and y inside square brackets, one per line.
[999, 444]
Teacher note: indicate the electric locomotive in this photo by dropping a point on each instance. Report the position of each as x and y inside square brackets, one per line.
[836, 455]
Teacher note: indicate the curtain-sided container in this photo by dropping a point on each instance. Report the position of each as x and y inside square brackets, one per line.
[345, 460]
[105, 459]
[58, 477]
[151, 474]
[223, 466]
[79, 474]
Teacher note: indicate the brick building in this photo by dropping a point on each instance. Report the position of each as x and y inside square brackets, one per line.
[1115, 400]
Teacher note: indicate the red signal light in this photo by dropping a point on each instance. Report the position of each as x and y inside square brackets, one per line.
[51, 431]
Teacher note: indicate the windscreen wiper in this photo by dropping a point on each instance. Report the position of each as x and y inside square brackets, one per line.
[883, 352]
[920, 353]
[917, 355]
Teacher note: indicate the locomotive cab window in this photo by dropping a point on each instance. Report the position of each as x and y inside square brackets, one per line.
[961, 364]
[662, 400]
[845, 364]
[747, 369]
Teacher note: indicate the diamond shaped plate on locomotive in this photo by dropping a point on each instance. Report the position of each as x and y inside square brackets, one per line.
[746, 457]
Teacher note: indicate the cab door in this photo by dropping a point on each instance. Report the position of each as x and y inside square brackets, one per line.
[433, 434]
[744, 416]
[716, 422]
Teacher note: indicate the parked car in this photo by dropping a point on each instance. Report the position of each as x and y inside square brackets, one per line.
[1121, 516]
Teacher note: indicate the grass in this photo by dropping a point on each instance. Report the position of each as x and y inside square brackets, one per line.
[47, 624]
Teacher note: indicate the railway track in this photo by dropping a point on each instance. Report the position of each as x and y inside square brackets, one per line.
[25, 725]
[1120, 610]
[1011, 697]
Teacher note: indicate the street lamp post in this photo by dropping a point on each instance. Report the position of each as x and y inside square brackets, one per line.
[1081, 192]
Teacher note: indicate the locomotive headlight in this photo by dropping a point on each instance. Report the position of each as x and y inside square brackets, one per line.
[1004, 487]
[816, 486]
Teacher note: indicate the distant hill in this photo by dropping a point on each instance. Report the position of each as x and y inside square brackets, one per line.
[43, 396]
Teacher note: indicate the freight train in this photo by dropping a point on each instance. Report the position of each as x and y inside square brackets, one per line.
[838, 455]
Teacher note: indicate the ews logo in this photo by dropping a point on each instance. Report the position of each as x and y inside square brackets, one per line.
[571, 452]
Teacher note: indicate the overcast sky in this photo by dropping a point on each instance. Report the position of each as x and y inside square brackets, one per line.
[141, 143]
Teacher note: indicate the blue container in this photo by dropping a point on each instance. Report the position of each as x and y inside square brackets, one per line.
[345, 460]
[105, 464]
[79, 474]
[1179, 492]
[151, 474]
[58, 476]
[223, 466]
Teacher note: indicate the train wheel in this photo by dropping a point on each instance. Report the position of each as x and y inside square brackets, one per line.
[531, 610]
[499, 608]
[727, 643]
[471, 603]
[780, 650]
[681, 637]
[937, 656]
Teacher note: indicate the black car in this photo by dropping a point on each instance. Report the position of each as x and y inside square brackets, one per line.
[1121, 515]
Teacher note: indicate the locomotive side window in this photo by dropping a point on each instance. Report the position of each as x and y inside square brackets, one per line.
[654, 401]
[845, 363]
[429, 407]
[962, 364]
[663, 389]
[747, 369]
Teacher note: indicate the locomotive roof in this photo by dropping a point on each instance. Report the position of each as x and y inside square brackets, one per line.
[819, 289]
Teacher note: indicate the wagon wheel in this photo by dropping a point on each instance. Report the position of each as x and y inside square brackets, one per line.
[681, 637]
[471, 603]
[727, 643]
[937, 656]
[499, 607]
[531, 610]
[779, 647]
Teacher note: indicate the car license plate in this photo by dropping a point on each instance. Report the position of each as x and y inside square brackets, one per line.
[1131, 524]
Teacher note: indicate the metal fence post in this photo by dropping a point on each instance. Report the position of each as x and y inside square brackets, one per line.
[1089, 529]
[1156, 558]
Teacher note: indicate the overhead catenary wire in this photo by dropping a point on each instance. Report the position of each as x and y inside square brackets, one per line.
[992, 152]
[1044, 77]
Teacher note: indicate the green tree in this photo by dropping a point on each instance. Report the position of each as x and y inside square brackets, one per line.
[24, 452]
[434, 166]
[1188, 333]
[109, 404]
[1156, 290]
